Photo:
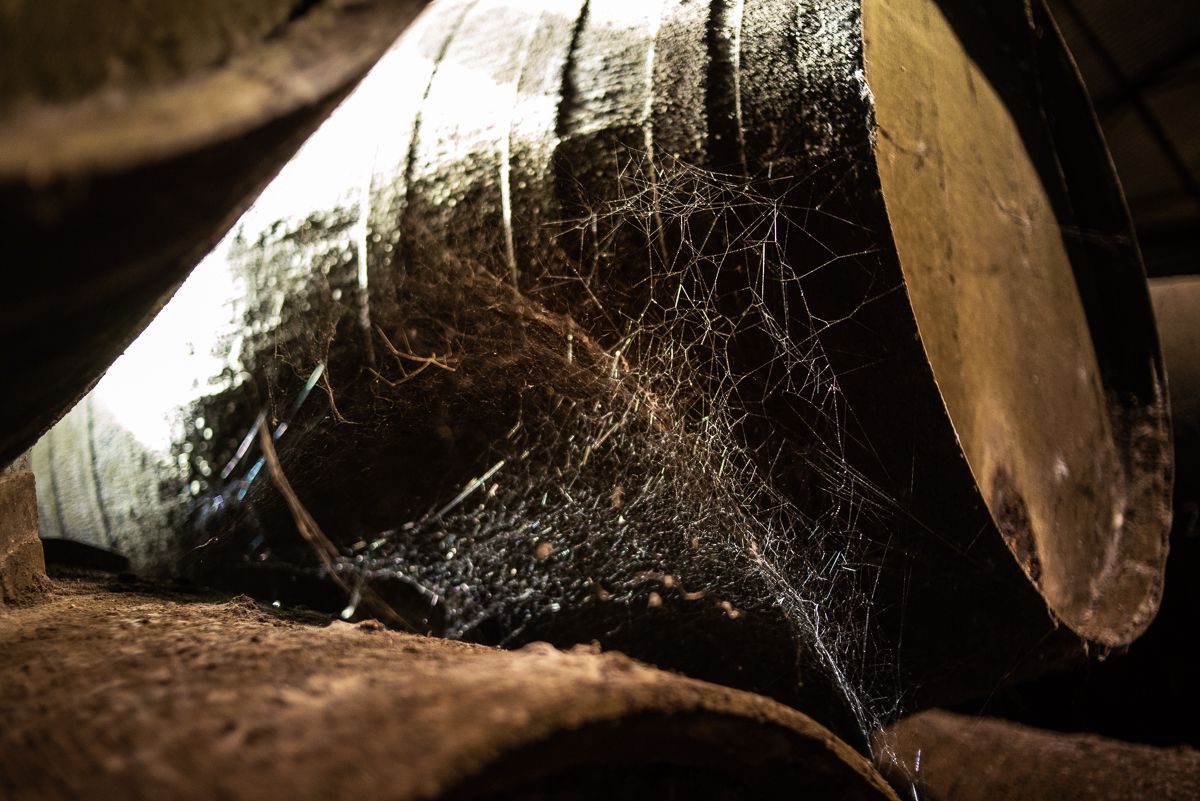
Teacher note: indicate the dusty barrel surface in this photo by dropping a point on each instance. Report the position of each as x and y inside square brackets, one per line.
[123, 694]
[22, 569]
[131, 138]
[754, 338]
[942, 755]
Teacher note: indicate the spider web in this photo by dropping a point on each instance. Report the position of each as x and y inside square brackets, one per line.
[651, 430]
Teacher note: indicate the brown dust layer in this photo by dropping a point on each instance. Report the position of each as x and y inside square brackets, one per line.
[114, 691]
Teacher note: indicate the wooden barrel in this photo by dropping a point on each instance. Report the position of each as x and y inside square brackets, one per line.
[798, 346]
[127, 695]
[941, 756]
[1143, 694]
[22, 567]
[132, 135]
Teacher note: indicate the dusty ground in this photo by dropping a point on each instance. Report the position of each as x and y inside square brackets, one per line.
[113, 690]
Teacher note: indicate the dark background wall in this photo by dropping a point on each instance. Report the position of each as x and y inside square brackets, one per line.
[1141, 63]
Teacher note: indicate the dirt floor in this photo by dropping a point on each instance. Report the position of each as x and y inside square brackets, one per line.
[122, 690]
